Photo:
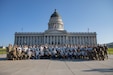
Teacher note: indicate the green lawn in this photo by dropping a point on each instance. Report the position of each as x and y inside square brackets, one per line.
[2, 51]
[110, 51]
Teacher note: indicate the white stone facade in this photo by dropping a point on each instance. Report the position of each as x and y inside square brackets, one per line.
[55, 35]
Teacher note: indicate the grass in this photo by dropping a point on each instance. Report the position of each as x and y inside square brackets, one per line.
[110, 50]
[3, 51]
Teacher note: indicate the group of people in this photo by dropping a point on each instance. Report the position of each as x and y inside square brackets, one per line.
[16, 52]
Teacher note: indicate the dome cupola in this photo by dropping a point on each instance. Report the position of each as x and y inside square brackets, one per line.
[55, 22]
[55, 14]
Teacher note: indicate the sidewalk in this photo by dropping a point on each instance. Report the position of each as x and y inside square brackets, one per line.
[56, 67]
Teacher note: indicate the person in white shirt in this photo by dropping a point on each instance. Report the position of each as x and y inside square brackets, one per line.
[37, 54]
[66, 54]
[61, 54]
[29, 53]
[25, 48]
[70, 54]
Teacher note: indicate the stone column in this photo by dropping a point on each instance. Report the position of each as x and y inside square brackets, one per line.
[81, 40]
[67, 39]
[18, 40]
[31, 40]
[47, 39]
[64, 39]
[85, 40]
[93, 40]
[50, 40]
[21, 40]
[88, 40]
[53, 39]
[15, 39]
[26, 40]
[56, 40]
[60, 39]
[73, 40]
[44, 39]
[77, 39]
[37, 39]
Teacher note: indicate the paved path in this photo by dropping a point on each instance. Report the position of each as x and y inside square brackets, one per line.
[56, 67]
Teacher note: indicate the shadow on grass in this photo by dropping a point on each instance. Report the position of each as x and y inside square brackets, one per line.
[100, 70]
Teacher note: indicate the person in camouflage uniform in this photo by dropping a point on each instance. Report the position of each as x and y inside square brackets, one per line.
[100, 53]
[9, 49]
[105, 51]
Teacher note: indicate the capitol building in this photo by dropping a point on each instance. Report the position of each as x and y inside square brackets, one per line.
[55, 35]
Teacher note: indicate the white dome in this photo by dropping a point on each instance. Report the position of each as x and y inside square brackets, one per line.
[55, 22]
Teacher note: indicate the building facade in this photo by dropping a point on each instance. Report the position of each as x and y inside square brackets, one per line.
[55, 35]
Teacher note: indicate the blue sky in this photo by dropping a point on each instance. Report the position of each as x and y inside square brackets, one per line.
[77, 15]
